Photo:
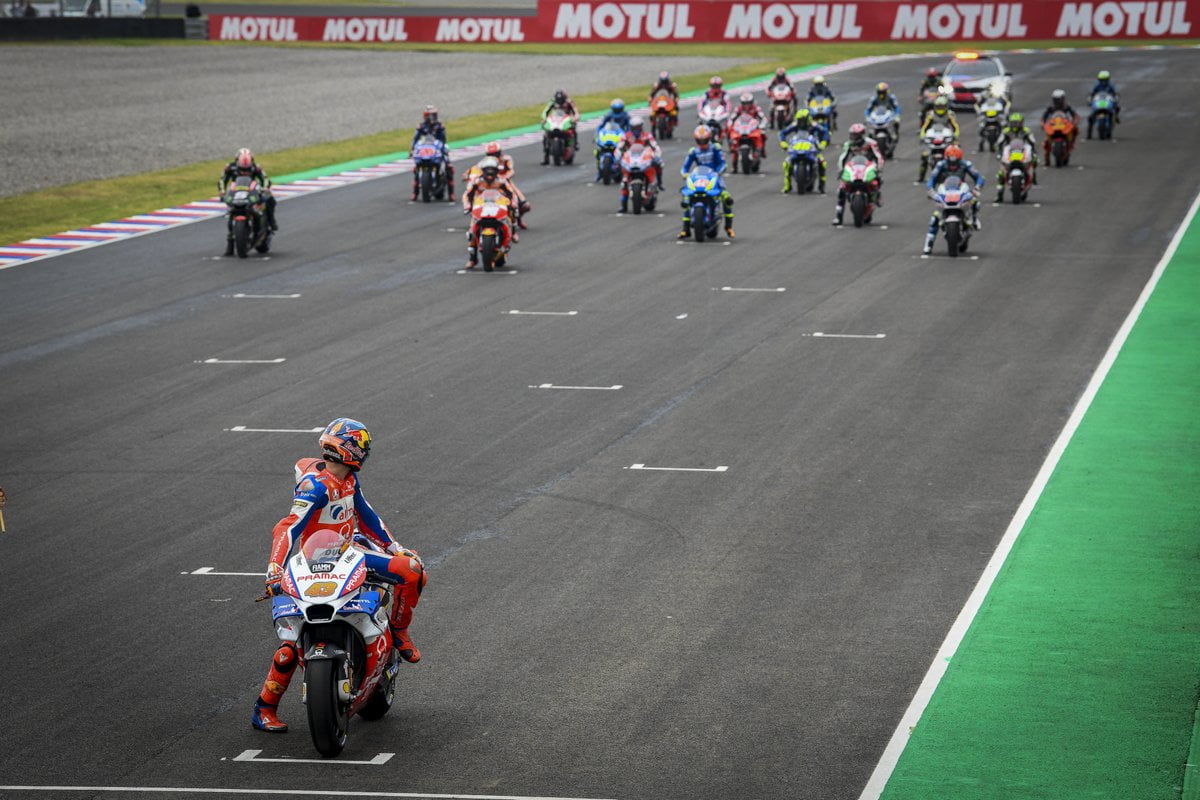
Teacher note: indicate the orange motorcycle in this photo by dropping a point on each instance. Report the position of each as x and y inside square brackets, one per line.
[1060, 129]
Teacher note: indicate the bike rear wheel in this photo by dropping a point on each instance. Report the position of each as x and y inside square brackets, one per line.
[635, 195]
[556, 152]
[858, 207]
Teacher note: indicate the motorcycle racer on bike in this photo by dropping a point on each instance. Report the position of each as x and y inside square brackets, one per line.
[507, 170]
[716, 91]
[329, 497]
[820, 88]
[489, 178]
[707, 153]
[804, 122]
[932, 80]
[665, 84]
[884, 98]
[780, 78]
[1014, 133]
[941, 113]
[430, 125]
[637, 134]
[1104, 84]
[562, 100]
[616, 114]
[243, 165]
[953, 164]
[746, 105]
[859, 144]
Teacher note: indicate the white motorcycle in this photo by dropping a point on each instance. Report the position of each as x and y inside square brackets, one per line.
[336, 611]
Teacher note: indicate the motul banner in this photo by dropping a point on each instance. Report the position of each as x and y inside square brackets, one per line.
[721, 21]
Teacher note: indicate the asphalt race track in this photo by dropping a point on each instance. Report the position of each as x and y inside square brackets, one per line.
[590, 630]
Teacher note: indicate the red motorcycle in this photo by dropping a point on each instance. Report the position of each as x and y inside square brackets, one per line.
[490, 232]
[639, 177]
[662, 106]
[746, 143]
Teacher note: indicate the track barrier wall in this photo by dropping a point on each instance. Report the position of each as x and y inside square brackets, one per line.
[726, 21]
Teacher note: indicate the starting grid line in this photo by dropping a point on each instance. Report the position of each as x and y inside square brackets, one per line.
[43, 247]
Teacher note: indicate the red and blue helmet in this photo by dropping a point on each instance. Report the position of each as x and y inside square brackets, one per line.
[346, 441]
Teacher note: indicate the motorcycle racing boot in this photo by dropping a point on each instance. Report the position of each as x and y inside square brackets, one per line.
[266, 718]
[404, 645]
[928, 244]
[472, 258]
[229, 246]
[687, 229]
[624, 209]
[837, 214]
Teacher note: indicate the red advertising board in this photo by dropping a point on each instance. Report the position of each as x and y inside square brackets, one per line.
[721, 21]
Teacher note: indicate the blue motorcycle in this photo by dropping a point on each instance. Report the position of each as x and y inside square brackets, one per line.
[1103, 105]
[429, 162]
[702, 192]
[608, 137]
[803, 156]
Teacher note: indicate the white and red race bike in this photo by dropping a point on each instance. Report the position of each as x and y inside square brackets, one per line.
[335, 609]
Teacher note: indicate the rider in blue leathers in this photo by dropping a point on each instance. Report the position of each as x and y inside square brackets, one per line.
[706, 153]
[616, 113]
[1104, 84]
[953, 164]
[804, 122]
[432, 126]
[884, 98]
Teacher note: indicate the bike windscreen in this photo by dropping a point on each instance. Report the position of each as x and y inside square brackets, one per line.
[952, 184]
[323, 546]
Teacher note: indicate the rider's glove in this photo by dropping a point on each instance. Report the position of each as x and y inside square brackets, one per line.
[274, 578]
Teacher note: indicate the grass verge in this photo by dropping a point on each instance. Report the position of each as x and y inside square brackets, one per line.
[53, 210]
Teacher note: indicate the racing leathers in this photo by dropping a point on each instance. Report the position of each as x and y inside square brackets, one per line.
[436, 131]
[645, 139]
[1111, 88]
[964, 169]
[507, 171]
[934, 118]
[1015, 137]
[891, 102]
[568, 105]
[713, 158]
[755, 111]
[323, 502]
[822, 90]
[480, 184]
[869, 148]
[1052, 110]
[820, 134]
[254, 172]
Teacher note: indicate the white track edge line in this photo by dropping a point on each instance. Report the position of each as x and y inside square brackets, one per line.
[895, 747]
[289, 792]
